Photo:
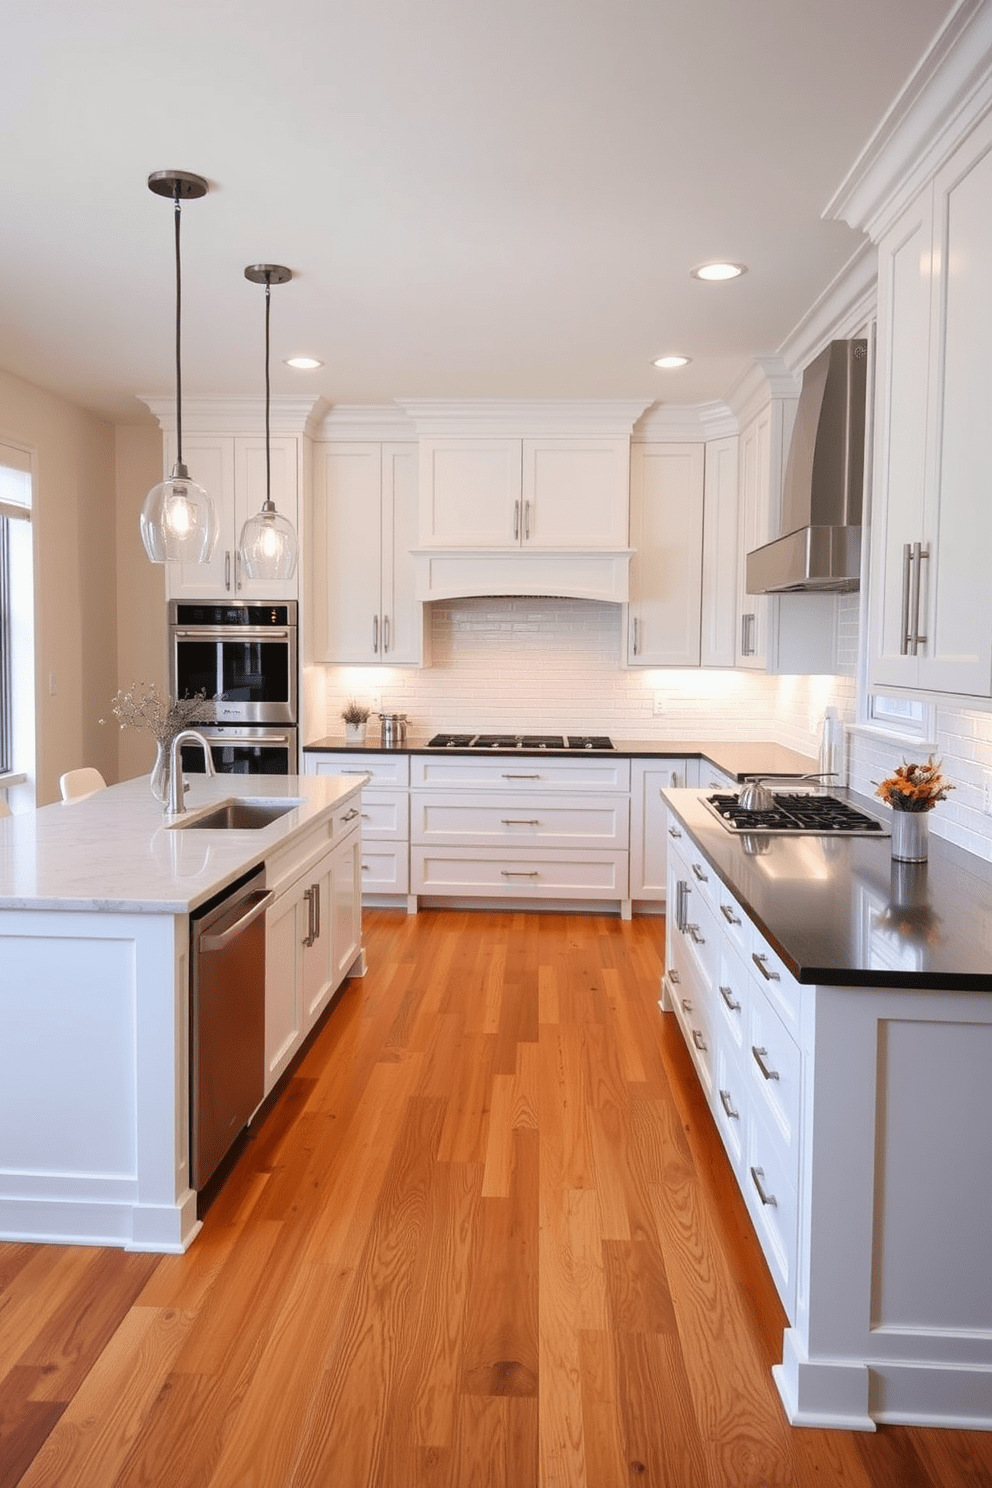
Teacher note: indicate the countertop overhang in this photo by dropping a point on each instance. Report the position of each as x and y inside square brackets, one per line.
[114, 851]
[840, 912]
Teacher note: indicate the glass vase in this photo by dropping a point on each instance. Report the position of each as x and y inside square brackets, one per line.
[910, 836]
[160, 772]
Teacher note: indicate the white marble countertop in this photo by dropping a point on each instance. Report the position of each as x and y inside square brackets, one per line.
[115, 851]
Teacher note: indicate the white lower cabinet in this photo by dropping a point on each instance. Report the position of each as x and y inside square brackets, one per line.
[649, 824]
[384, 862]
[527, 828]
[748, 1062]
[312, 932]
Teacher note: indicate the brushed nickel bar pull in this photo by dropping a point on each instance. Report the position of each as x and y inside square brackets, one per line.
[375, 635]
[308, 896]
[519, 873]
[673, 831]
[727, 993]
[760, 1055]
[526, 521]
[914, 602]
[227, 570]
[693, 932]
[757, 1175]
[728, 915]
[350, 815]
[385, 635]
[316, 914]
[686, 1005]
[698, 1040]
[636, 638]
[674, 977]
[905, 638]
[520, 821]
[922, 555]
[701, 877]
[518, 776]
[759, 960]
[728, 1105]
[516, 521]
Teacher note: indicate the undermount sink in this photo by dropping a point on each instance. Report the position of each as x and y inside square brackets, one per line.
[238, 816]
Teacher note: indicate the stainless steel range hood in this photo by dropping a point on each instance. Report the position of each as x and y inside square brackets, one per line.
[820, 548]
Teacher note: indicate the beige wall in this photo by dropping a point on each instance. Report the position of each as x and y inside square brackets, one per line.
[75, 577]
[141, 634]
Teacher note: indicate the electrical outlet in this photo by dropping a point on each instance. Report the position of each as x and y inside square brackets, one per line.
[376, 702]
[659, 704]
[987, 792]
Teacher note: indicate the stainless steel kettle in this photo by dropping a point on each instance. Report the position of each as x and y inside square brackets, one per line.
[755, 796]
[393, 728]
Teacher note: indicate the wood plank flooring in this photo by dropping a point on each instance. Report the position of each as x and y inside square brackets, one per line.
[485, 1235]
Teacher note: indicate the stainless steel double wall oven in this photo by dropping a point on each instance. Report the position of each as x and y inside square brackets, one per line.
[245, 656]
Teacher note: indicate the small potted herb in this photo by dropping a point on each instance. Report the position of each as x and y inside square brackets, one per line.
[356, 718]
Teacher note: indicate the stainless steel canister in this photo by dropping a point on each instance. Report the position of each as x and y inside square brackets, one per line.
[393, 728]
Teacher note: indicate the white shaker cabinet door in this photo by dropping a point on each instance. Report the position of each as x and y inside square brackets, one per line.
[666, 532]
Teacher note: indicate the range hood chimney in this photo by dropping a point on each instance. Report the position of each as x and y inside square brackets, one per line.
[820, 549]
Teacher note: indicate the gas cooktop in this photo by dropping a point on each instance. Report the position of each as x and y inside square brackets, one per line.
[520, 741]
[797, 812]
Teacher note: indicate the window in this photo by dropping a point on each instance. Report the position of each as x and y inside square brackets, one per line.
[908, 717]
[16, 614]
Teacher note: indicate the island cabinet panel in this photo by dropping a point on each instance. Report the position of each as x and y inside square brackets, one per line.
[854, 1119]
[94, 1142]
[313, 934]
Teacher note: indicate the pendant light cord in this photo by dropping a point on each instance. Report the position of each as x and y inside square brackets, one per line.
[179, 375]
[268, 481]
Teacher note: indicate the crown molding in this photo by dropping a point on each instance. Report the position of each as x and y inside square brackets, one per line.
[361, 422]
[678, 423]
[844, 309]
[765, 378]
[944, 98]
[236, 414]
[485, 417]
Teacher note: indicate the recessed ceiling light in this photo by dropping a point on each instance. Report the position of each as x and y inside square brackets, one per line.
[303, 364]
[718, 271]
[671, 361]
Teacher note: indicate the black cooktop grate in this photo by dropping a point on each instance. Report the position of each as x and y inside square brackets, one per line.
[519, 741]
[795, 813]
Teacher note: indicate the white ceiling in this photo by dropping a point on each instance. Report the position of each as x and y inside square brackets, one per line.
[498, 200]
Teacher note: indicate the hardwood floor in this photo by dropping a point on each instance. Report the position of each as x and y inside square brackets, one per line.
[485, 1236]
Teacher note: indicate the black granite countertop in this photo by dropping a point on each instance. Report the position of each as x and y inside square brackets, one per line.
[735, 758]
[840, 912]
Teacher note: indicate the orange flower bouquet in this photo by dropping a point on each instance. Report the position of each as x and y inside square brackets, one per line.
[915, 787]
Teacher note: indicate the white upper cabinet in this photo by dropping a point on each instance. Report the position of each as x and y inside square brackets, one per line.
[362, 579]
[931, 614]
[666, 533]
[231, 468]
[718, 630]
[502, 492]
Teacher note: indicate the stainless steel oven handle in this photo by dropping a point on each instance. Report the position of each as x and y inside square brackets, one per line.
[231, 633]
[259, 902]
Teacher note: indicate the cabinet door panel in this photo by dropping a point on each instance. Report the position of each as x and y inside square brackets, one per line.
[575, 493]
[903, 344]
[666, 519]
[469, 493]
[402, 616]
[347, 540]
[285, 929]
[957, 656]
[250, 492]
[210, 461]
[718, 632]
[650, 825]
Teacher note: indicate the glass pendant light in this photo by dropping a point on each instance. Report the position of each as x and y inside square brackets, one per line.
[268, 546]
[178, 520]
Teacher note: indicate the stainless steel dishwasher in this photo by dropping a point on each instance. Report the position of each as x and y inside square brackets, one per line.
[227, 1010]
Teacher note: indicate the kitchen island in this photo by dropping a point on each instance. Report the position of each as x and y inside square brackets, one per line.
[96, 897]
[837, 1007]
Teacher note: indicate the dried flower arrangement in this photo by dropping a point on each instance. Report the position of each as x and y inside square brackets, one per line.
[354, 712]
[915, 787]
[142, 706]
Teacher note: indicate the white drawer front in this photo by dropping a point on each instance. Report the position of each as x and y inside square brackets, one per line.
[385, 770]
[385, 870]
[694, 1018]
[541, 875]
[518, 819]
[772, 1201]
[385, 816]
[732, 999]
[520, 772]
[774, 978]
[774, 1068]
[729, 1103]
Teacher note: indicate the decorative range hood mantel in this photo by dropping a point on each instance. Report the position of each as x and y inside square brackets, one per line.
[447, 573]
